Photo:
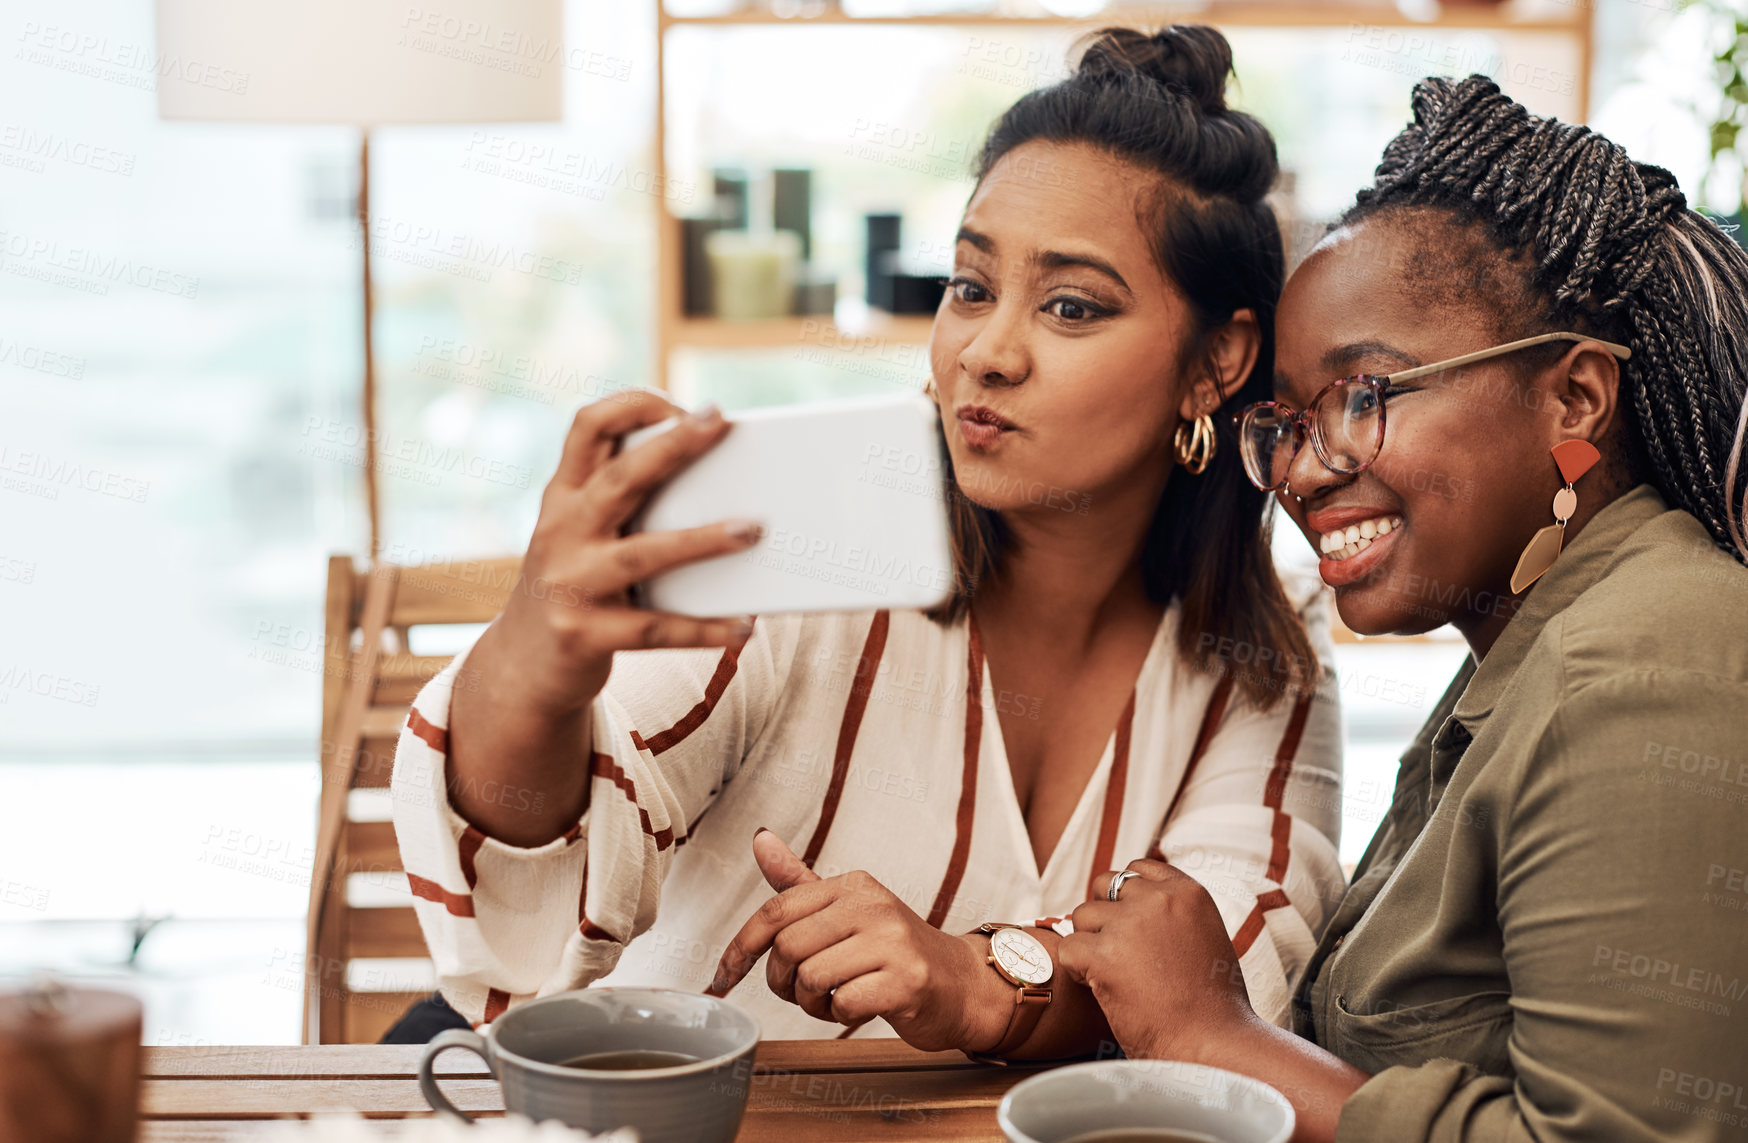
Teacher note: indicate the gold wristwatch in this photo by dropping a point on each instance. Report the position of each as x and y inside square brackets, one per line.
[1024, 962]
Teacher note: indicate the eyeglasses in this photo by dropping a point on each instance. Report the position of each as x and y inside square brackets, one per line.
[1345, 420]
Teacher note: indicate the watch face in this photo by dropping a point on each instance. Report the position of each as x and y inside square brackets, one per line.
[1021, 954]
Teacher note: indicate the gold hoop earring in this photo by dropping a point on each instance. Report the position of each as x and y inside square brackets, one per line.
[1194, 444]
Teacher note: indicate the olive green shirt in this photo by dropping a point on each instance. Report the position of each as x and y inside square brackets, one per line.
[1548, 938]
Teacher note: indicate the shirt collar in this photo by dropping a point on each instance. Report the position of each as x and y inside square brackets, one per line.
[1584, 561]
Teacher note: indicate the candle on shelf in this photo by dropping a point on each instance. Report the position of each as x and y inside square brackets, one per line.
[753, 272]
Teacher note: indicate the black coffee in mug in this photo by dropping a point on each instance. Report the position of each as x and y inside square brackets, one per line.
[1142, 1135]
[674, 1065]
[628, 1060]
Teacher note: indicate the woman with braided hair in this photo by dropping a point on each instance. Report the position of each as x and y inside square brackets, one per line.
[1509, 396]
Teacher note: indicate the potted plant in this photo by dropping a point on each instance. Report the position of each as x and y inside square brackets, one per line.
[1731, 113]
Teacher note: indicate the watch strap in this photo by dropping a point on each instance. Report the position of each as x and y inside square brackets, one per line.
[1029, 1005]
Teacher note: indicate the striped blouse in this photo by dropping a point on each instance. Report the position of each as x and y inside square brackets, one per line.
[867, 740]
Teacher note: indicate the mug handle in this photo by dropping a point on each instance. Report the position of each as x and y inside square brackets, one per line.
[443, 1041]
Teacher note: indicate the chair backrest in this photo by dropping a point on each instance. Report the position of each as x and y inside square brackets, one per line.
[369, 679]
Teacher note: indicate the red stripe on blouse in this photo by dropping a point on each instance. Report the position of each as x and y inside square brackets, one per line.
[966, 816]
[1277, 783]
[457, 904]
[468, 848]
[872, 649]
[693, 828]
[590, 930]
[1253, 924]
[605, 767]
[1281, 832]
[1211, 716]
[1114, 790]
[694, 718]
[434, 736]
[1248, 932]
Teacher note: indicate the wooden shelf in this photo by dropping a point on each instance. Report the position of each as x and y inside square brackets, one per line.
[779, 333]
[1228, 14]
[674, 331]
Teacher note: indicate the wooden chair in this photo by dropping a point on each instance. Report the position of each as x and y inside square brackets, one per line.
[370, 677]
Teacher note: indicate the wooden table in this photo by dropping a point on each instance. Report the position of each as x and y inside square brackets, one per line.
[839, 1091]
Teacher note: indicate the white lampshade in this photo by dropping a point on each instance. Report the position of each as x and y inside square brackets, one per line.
[364, 62]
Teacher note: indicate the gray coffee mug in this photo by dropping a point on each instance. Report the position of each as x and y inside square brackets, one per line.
[698, 1102]
[1196, 1101]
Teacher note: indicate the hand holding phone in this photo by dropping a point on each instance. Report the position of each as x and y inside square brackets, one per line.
[572, 609]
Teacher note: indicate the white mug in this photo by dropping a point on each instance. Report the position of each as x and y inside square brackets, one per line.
[1197, 1102]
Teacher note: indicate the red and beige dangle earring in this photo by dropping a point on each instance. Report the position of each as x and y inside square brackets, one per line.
[1574, 459]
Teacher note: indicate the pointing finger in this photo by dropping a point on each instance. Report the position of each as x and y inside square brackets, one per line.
[781, 867]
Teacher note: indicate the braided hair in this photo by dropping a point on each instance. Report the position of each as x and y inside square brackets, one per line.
[1610, 248]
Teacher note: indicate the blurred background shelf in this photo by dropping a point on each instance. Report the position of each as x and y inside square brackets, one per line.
[1474, 15]
[787, 332]
[931, 75]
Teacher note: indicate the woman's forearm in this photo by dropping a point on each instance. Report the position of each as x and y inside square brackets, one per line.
[1314, 1081]
[1072, 1025]
[517, 771]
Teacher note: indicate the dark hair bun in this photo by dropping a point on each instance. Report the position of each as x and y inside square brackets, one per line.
[1192, 60]
[1158, 100]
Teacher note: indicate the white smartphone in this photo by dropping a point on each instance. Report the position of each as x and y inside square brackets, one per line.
[851, 498]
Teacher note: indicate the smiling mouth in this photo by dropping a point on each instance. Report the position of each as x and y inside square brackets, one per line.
[1346, 543]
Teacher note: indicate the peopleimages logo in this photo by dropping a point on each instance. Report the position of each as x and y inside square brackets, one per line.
[40, 360]
[502, 48]
[419, 460]
[81, 267]
[819, 557]
[1416, 53]
[565, 170]
[34, 147]
[52, 475]
[407, 241]
[116, 61]
[46, 684]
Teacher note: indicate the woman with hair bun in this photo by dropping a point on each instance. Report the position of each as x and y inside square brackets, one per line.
[1128, 677]
[1508, 396]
